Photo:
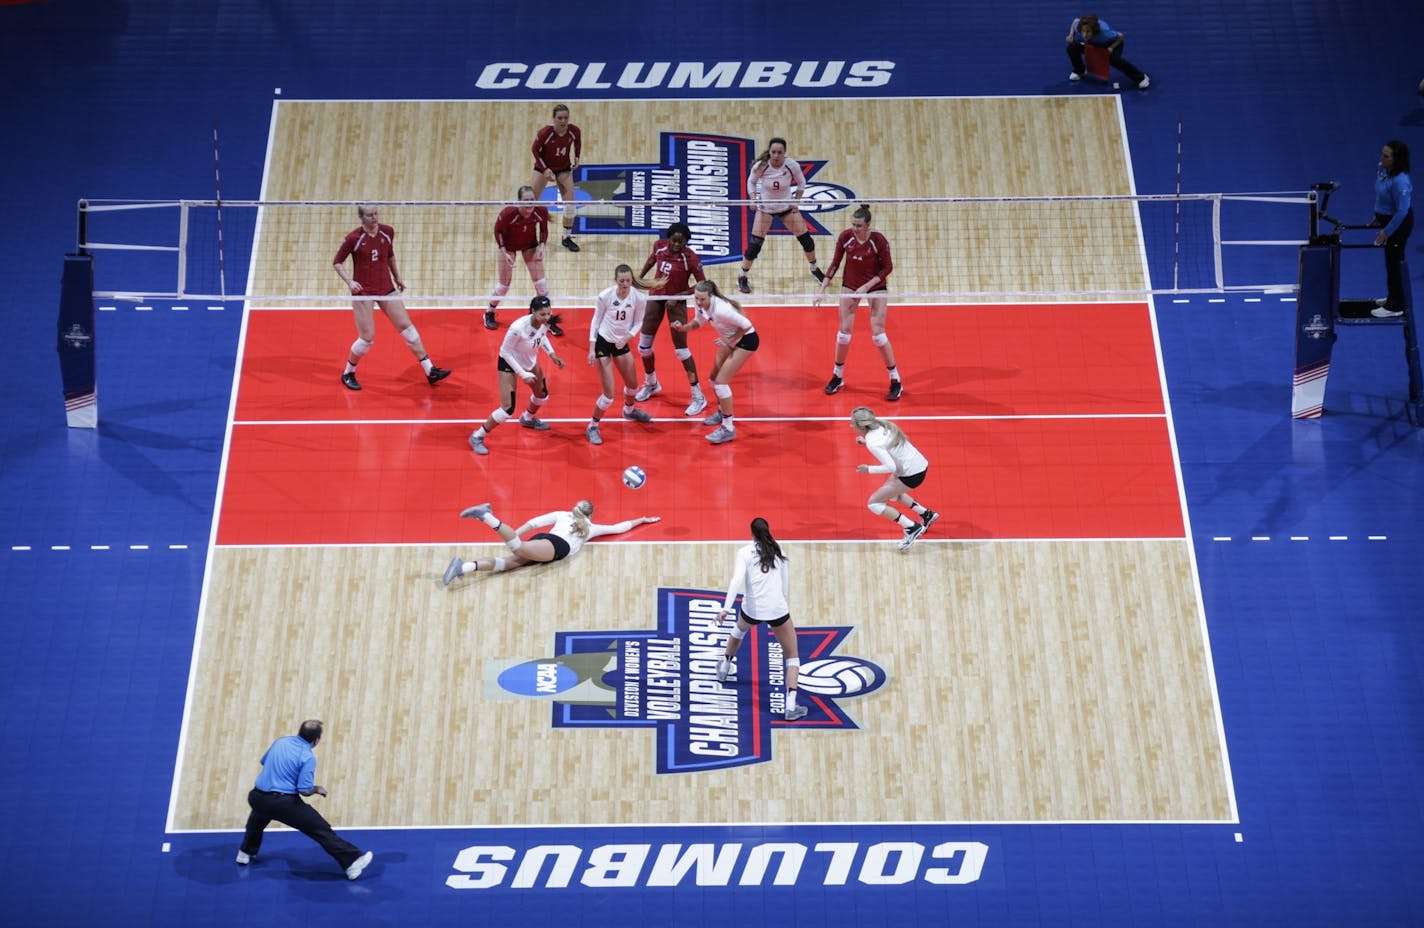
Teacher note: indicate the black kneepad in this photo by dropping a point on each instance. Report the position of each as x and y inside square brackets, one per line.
[808, 244]
[753, 248]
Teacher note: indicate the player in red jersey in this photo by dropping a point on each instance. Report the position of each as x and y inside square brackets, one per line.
[868, 265]
[676, 265]
[374, 278]
[557, 149]
[519, 230]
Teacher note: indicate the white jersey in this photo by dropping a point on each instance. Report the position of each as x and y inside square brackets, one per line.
[520, 348]
[765, 591]
[723, 317]
[563, 526]
[773, 187]
[902, 461]
[617, 320]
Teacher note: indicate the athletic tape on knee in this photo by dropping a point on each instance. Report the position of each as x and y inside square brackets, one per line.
[808, 244]
[843, 338]
[682, 353]
[501, 414]
[645, 345]
[541, 287]
[877, 508]
[880, 340]
[723, 390]
[604, 401]
[359, 348]
[753, 248]
[737, 633]
[411, 336]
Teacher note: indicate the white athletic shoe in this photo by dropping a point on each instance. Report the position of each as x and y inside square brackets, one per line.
[699, 403]
[353, 871]
[1146, 82]
[453, 572]
[724, 670]
[533, 422]
[1384, 312]
[798, 713]
[476, 512]
[477, 444]
[714, 419]
[649, 389]
[911, 534]
[722, 435]
[243, 859]
[634, 414]
[595, 437]
[1074, 76]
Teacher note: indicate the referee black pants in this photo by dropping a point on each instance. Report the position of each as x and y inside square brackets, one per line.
[289, 809]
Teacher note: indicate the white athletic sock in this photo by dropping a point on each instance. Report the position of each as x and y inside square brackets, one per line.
[791, 700]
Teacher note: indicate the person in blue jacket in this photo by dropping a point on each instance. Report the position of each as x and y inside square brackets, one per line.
[1088, 29]
[1394, 215]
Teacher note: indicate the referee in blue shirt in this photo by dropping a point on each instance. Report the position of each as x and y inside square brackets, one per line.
[288, 774]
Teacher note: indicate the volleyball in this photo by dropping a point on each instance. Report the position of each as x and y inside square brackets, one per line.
[633, 477]
[842, 676]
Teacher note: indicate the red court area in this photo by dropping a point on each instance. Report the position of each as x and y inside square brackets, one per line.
[1039, 421]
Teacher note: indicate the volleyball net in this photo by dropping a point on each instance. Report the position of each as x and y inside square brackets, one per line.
[946, 250]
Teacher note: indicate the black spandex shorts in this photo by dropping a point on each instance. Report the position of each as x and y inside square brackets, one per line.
[774, 623]
[750, 342]
[561, 547]
[914, 480]
[603, 348]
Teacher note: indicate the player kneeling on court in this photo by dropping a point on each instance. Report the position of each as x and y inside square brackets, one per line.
[906, 467]
[374, 281]
[736, 340]
[568, 531]
[617, 316]
[762, 578]
[519, 358]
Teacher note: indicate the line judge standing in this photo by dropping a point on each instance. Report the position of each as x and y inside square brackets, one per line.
[288, 774]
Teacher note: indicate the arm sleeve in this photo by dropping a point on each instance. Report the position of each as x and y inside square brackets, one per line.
[617, 528]
[695, 269]
[544, 521]
[344, 252]
[837, 257]
[600, 309]
[537, 149]
[578, 143]
[785, 580]
[306, 777]
[796, 174]
[737, 584]
[640, 309]
[886, 263]
[543, 215]
[1403, 199]
[882, 454]
[500, 224]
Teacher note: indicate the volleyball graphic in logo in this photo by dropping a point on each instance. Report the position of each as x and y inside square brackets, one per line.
[839, 676]
[633, 477]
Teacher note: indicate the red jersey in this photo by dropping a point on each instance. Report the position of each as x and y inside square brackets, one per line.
[864, 260]
[371, 256]
[556, 152]
[678, 268]
[516, 232]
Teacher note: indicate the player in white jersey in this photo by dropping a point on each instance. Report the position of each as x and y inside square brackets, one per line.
[776, 183]
[763, 578]
[906, 468]
[617, 317]
[736, 340]
[568, 532]
[519, 360]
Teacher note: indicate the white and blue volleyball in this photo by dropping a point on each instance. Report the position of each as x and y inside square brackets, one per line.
[634, 477]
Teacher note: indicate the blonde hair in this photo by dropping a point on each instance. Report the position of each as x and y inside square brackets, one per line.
[582, 512]
[864, 417]
[710, 286]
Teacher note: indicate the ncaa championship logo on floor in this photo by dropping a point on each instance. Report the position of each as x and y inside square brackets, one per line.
[694, 166]
[665, 678]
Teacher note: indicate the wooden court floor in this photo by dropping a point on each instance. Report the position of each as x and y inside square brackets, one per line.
[1029, 680]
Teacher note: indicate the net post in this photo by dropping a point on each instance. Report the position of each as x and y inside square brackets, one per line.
[1216, 240]
[76, 341]
[182, 287]
[81, 234]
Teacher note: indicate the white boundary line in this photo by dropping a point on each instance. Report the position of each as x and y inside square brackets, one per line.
[580, 420]
[1176, 461]
[1181, 483]
[217, 499]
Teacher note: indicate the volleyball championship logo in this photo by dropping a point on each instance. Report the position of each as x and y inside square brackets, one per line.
[665, 678]
[693, 166]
